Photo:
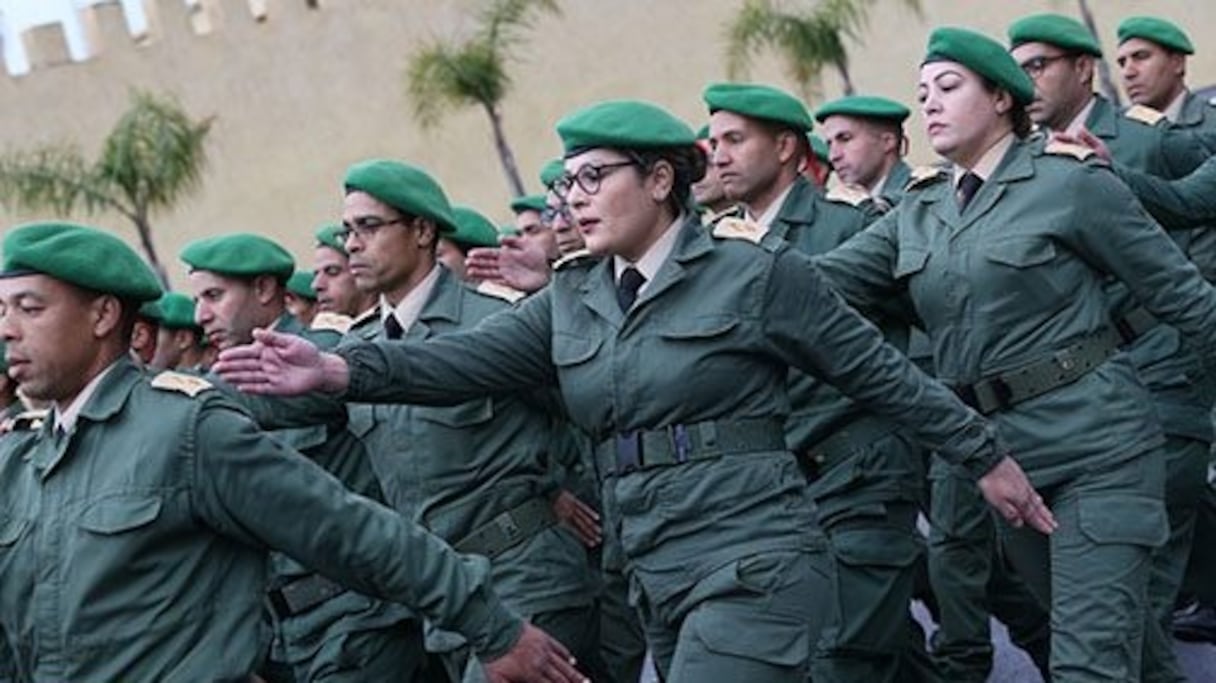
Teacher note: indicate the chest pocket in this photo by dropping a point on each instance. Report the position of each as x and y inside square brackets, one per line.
[120, 514]
[698, 329]
[11, 529]
[910, 262]
[464, 415]
[570, 350]
[1022, 253]
[1027, 272]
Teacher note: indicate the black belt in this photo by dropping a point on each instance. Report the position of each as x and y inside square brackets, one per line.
[1133, 325]
[508, 529]
[843, 443]
[1061, 367]
[303, 594]
[675, 445]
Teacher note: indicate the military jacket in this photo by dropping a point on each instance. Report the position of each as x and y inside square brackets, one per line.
[710, 339]
[1016, 277]
[134, 548]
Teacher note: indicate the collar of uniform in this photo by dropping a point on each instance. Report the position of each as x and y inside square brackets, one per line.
[410, 307]
[773, 210]
[288, 324]
[105, 404]
[653, 259]
[1193, 111]
[1173, 110]
[895, 181]
[988, 161]
[1102, 119]
[444, 301]
[1080, 121]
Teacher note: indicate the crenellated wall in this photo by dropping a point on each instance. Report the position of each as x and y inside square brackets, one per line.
[300, 93]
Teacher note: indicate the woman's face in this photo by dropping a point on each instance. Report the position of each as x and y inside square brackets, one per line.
[962, 117]
[613, 206]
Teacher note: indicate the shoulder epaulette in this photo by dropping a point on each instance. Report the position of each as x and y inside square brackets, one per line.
[847, 194]
[180, 382]
[334, 322]
[1081, 152]
[1144, 114]
[499, 291]
[26, 421]
[736, 211]
[571, 258]
[924, 175]
[739, 229]
[1212, 100]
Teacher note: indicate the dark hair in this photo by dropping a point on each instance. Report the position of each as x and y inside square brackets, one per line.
[1022, 125]
[688, 163]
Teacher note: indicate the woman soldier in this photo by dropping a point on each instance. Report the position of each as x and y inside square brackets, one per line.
[1003, 258]
[673, 350]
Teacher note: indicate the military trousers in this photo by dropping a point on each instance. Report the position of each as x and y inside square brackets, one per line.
[577, 628]
[972, 582]
[1093, 571]
[622, 640]
[392, 653]
[755, 620]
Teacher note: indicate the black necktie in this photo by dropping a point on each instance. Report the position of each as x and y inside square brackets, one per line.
[968, 185]
[392, 327]
[627, 289]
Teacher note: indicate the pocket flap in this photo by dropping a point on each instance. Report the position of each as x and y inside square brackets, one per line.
[910, 261]
[876, 547]
[11, 529]
[1124, 519]
[569, 349]
[462, 415]
[119, 514]
[701, 328]
[1022, 253]
[770, 638]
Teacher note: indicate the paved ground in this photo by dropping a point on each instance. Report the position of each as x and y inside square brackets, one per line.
[1013, 666]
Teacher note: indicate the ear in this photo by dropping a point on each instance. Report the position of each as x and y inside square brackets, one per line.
[787, 146]
[105, 315]
[428, 233]
[1004, 102]
[662, 178]
[266, 288]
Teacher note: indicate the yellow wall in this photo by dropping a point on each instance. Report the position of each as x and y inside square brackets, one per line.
[304, 93]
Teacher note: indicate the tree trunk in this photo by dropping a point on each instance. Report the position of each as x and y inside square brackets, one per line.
[145, 240]
[846, 80]
[1104, 78]
[504, 152]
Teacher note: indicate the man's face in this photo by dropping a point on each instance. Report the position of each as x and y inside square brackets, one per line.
[534, 231]
[51, 345]
[143, 340]
[1063, 83]
[745, 155]
[334, 283]
[861, 152]
[1152, 75]
[449, 254]
[171, 347]
[387, 253]
[228, 309]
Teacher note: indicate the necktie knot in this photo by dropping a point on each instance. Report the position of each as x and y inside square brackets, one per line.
[627, 288]
[968, 185]
[392, 327]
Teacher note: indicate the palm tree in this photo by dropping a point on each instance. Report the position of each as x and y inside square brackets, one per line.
[442, 76]
[151, 159]
[809, 39]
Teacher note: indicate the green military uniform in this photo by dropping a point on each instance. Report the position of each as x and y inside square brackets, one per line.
[1011, 294]
[164, 493]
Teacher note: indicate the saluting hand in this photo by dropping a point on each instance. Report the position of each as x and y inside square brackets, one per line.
[534, 657]
[1009, 491]
[281, 365]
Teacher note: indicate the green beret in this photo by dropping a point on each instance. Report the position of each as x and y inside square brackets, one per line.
[239, 254]
[300, 284]
[528, 202]
[629, 124]
[1155, 30]
[177, 311]
[551, 171]
[81, 256]
[820, 148]
[150, 310]
[758, 102]
[982, 55]
[508, 230]
[406, 188]
[864, 106]
[703, 132]
[472, 228]
[330, 235]
[1054, 29]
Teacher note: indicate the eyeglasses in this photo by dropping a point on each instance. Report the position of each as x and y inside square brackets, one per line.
[365, 227]
[1035, 66]
[588, 177]
[552, 213]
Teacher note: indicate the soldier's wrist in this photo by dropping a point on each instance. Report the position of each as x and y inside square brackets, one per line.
[335, 374]
[491, 629]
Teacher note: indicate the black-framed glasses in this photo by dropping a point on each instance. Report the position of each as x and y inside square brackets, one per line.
[365, 227]
[552, 213]
[1035, 66]
[588, 177]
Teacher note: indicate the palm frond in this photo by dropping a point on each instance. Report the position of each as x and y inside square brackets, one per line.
[54, 178]
[440, 78]
[503, 22]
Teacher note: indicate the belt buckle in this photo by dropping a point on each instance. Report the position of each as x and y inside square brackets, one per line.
[506, 524]
[681, 444]
[628, 451]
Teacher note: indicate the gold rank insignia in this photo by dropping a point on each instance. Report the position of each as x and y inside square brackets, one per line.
[736, 211]
[739, 229]
[499, 291]
[177, 381]
[1081, 152]
[1143, 114]
[27, 421]
[924, 175]
[333, 322]
[572, 257]
[847, 194]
